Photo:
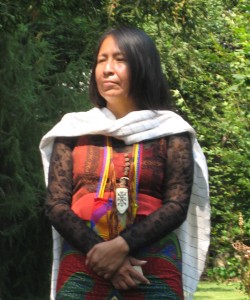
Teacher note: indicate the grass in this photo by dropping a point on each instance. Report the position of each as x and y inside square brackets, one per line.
[219, 291]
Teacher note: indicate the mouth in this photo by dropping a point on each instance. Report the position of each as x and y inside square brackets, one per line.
[109, 82]
[109, 85]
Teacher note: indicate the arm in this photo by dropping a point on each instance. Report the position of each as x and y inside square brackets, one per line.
[58, 200]
[73, 228]
[178, 187]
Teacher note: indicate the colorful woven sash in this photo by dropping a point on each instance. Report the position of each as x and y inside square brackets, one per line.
[106, 171]
[95, 208]
[101, 216]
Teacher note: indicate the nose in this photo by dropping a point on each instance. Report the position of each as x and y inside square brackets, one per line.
[108, 68]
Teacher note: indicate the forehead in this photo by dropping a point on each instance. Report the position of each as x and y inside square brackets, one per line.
[109, 45]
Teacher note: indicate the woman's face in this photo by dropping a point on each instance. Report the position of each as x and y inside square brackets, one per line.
[112, 73]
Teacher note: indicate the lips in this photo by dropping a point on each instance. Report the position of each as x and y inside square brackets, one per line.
[106, 85]
[109, 82]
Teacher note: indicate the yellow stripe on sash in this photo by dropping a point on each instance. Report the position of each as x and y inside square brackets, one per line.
[106, 169]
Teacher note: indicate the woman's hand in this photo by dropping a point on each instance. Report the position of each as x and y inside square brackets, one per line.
[105, 258]
[128, 277]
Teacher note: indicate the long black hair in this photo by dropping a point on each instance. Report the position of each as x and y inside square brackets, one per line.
[148, 86]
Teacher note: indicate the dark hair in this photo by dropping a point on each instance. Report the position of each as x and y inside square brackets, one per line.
[148, 86]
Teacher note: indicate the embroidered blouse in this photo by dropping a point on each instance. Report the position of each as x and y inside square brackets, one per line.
[166, 174]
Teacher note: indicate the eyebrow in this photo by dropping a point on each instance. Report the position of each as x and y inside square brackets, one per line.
[114, 54]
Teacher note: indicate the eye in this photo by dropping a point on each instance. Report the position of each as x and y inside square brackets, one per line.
[100, 59]
[120, 58]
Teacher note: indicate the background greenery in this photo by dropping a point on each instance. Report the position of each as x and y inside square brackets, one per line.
[219, 291]
[46, 51]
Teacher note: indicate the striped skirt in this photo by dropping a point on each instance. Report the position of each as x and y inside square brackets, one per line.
[163, 269]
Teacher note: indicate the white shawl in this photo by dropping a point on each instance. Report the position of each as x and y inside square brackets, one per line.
[194, 233]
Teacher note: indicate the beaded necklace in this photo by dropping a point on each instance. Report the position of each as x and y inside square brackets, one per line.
[125, 189]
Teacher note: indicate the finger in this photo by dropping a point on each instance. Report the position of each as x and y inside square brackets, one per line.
[123, 286]
[119, 282]
[86, 261]
[116, 285]
[103, 273]
[107, 276]
[89, 256]
[137, 262]
[90, 252]
[130, 282]
[99, 270]
[138, 276]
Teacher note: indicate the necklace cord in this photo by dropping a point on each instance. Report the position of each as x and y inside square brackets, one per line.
[117, 221]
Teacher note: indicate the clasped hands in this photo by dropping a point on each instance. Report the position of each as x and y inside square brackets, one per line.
[110, 260]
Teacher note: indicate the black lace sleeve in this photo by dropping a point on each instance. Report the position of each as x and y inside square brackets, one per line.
[58, 200]
[178, 186]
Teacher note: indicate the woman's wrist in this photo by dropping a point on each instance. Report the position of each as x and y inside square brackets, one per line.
[122, 244]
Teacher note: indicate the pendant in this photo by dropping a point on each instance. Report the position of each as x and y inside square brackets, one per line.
[121, 198]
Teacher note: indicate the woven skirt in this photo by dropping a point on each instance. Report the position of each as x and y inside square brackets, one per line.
[163, 269]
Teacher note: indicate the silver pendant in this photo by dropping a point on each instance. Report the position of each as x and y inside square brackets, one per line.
[122, 200]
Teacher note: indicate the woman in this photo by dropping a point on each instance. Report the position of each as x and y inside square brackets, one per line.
[120, 182]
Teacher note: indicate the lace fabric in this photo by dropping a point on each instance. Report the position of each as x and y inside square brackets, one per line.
[172, 159]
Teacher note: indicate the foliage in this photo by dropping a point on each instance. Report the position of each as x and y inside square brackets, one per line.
[204, 46]
[46, 54]
[242, 246]
[228, 272]
[22, 190]
[46, 51]
[245, 275]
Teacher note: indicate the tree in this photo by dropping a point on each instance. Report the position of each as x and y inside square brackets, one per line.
[204, 47]
[46, 52]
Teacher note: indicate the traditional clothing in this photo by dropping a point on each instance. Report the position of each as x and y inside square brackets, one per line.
[135, 127]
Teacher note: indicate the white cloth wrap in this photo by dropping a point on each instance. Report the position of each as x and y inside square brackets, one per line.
[194, 233]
